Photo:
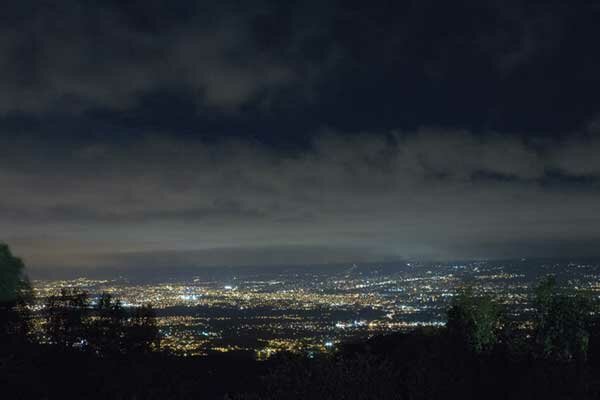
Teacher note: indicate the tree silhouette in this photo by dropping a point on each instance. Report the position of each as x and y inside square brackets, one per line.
[15, 295]
[562, 322]
[474, 320]
[65, 316]
[12, 275]
[106, 328]
[141, 333]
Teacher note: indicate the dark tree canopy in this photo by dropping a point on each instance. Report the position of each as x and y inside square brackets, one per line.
[103, 327]
[12, 275]
[15, 296]
[65, 316]
[107, 326]
[141, 332]
[563, 321]
[474, 320]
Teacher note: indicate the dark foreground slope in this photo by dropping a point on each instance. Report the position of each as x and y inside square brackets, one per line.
[418, 365]
[47, 372]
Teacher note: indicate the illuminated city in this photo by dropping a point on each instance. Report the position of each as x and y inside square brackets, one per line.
[309, 310]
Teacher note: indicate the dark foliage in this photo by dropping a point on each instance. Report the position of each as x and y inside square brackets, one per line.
[106, 329]
[15, 295]
[563, 322]
[474, 321]
[65, 316]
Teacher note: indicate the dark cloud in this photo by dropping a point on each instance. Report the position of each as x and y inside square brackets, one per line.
[579, 155]
[429, 193]
[71, 56]
[437, 129]
[411, 63]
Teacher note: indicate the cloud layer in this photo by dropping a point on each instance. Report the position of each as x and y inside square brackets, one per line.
[427, 193]
[145, 131]
[71, 57]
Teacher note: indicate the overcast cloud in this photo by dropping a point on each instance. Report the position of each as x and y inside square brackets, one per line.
[71, 57]
[430, 193]
[149, 132]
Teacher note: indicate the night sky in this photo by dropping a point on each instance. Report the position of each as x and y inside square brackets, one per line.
[141, 133]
